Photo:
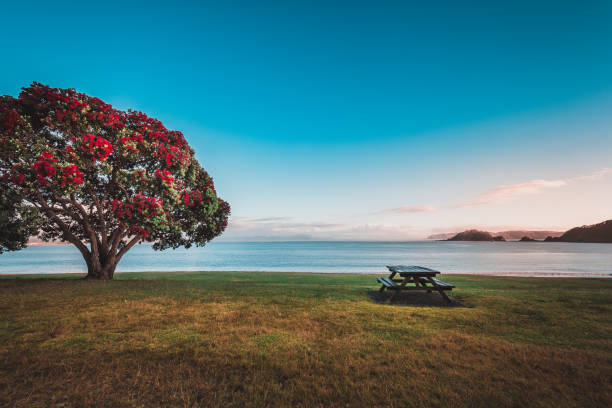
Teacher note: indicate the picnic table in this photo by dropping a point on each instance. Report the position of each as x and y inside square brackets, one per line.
[423, 279]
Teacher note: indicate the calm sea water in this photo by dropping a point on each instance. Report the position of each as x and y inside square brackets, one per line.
[507, 258]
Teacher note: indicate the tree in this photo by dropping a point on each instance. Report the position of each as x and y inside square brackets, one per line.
[73, 168]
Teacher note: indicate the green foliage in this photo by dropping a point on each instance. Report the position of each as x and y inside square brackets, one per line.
[18, 222]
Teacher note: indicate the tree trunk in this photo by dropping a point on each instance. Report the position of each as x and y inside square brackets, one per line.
[100, 270]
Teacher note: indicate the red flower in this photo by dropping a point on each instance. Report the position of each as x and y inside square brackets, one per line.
[71, 175]
[44, 168]
[9, 118]
[18, 179]
[165, 176]
[141, 205]
[139, 231]
[97, 146]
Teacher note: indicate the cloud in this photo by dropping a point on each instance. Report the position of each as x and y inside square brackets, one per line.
[244, 229]
[279, 223]
[380, 232]
[410, 209]
[504, 192]
[594, 176]
[268, 219]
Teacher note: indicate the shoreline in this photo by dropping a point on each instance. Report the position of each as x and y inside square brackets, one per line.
[549, 275]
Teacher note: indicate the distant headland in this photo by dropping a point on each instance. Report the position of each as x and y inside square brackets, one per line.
[597, 233]
[488, 236]
[475, 235]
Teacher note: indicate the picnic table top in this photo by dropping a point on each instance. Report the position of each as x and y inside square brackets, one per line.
[412, 269]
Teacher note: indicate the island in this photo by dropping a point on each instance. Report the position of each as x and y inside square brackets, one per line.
[513, 235]
[475, 235]
[596, 233]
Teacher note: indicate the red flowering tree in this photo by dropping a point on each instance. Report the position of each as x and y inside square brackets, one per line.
[75, 169]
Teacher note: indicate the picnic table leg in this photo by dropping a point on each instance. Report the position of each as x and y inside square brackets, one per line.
[383, 287]
[439, 289]
[402, 284]
[406, 280]
[395, 292]
[399, 287]
[422, 284]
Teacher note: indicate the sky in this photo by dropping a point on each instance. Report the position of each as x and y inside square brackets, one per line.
[331, 120]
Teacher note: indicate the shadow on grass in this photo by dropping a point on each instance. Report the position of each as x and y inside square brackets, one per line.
[422, 299]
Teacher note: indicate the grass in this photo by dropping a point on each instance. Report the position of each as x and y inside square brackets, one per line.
[287, 339]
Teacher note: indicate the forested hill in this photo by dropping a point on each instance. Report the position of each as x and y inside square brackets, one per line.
[508, 235]
[601, 232]
[475, 235]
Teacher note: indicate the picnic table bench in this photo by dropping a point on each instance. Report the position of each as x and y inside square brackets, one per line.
[422, 278]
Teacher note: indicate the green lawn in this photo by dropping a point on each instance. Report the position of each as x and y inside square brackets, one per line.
[286, 339]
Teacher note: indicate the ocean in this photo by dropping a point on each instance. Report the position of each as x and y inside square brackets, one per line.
[494, 258]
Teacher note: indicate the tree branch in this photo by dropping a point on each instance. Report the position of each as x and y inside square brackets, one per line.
[103, 232]
[127, 195]
[128, 247]
[65, 229]
[117, 237]
[113, 182]
[93, 237]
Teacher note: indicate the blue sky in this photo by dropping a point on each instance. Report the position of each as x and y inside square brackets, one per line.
[354, 120]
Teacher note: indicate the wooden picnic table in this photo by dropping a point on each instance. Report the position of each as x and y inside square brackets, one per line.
[423, 279]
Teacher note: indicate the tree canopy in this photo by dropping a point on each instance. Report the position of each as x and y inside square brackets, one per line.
[73, 168]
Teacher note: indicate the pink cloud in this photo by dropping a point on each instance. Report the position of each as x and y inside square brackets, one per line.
[411, 209]
[505, 192]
